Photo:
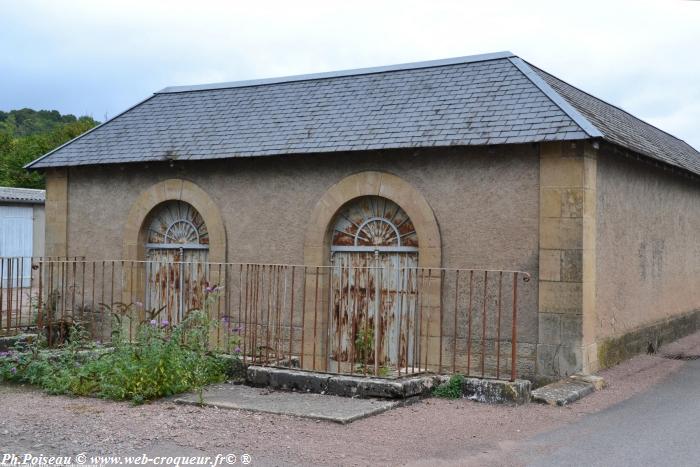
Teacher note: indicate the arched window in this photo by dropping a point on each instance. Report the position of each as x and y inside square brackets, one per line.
[373, 223]
[177, 225]
[177, 250]
[374, 247]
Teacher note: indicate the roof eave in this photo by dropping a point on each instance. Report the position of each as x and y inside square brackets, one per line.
[21, 201]
[651, 160]
[330, 151]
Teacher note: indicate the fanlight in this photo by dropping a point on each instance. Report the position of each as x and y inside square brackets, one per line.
[176, 224]
[372, 223]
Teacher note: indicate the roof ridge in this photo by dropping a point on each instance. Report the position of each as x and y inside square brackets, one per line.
[339, 73]
[586, 125]
[614, 105]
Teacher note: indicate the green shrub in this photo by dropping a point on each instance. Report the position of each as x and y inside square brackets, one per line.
[452, 389]
[161, 361]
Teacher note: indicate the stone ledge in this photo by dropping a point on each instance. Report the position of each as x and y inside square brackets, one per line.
[497, 391]
[340, 385]
[494, 391]
[480, 390]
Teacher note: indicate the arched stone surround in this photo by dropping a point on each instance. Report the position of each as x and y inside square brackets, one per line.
[370, 183]
[317, 253]
[174, 189]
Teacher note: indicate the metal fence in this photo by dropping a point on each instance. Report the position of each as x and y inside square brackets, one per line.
[377, 321]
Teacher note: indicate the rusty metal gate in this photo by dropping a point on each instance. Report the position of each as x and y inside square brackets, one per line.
[374, 250]
[176, 260]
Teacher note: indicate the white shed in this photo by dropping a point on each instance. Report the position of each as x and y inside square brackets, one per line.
[21, 226]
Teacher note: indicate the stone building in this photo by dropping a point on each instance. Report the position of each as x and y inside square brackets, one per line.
[491, 161]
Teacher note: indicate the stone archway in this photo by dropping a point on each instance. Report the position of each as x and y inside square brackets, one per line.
[317, 248]
[138, 283]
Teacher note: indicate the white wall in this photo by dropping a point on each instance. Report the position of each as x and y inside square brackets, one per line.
[19, 237]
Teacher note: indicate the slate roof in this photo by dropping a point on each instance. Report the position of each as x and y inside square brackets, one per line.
[477, 100]
[22, 195]
[625, 129]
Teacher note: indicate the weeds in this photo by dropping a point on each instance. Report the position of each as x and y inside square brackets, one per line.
[452, 389]
[162, 360]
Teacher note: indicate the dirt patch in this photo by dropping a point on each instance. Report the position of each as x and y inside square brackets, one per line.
[431, 432]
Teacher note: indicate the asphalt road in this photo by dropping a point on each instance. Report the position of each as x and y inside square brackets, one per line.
[659, 427]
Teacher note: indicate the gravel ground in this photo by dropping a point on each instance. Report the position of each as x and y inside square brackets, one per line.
[431, 432]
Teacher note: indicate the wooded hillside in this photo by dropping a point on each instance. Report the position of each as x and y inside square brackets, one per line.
[26, 134]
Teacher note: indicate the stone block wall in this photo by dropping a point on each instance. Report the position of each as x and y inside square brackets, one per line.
[567, 258]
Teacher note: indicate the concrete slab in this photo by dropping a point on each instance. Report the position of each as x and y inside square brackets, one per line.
[307, 405]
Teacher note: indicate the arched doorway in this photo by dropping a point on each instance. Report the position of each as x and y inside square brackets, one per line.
[176, 252]
[374, 254]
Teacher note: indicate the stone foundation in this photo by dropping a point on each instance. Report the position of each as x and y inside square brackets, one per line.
[614, 350]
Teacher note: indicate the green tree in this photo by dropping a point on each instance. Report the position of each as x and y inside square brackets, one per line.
[25, 122]
[26, 135]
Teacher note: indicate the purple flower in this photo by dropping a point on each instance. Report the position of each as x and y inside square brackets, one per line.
[13, 370]
[164, 322]
[210, 289]
[4, 354]
[154, 322]
[237, 350]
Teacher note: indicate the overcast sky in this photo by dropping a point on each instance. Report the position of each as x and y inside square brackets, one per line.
[100, 57]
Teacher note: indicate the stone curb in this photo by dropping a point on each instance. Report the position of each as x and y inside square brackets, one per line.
[568, 390]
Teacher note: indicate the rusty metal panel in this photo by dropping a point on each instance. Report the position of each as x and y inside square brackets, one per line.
[372, 310]
[175, 281]
[176, 254]
[374, 245]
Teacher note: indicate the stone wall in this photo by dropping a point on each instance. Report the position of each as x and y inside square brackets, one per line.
[485, 201]
[613, 243]
[648, 250]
